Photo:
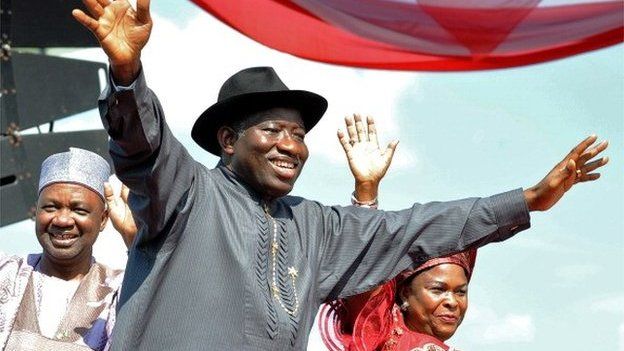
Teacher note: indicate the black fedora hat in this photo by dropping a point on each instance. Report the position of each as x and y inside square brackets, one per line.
[251, 90]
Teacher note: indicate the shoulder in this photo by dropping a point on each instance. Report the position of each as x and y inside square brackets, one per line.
[14, 273]
[18, 262]
[9, 259]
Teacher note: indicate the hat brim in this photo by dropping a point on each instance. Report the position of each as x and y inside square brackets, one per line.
[311, 106]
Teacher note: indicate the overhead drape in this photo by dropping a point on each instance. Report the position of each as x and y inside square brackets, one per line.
[435, 35]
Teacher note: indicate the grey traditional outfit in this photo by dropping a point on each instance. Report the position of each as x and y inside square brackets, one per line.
[204, 273]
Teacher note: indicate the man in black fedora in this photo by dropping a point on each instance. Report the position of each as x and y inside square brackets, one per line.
[224, 259]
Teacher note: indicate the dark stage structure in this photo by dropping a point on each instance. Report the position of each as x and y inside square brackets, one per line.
[38, 89]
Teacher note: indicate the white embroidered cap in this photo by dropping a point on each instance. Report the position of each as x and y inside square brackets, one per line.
[75, 166]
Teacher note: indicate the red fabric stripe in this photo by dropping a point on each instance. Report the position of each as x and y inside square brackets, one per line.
[287, 27]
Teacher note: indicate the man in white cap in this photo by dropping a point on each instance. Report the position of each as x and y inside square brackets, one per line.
[62, 299]
[224, 258]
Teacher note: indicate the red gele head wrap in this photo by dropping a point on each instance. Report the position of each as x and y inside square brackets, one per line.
[465, 259]
[375, 321]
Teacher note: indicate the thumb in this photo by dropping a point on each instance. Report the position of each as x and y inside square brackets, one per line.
[565, 174]
[124, 193]
[108, 193]
[389, 153]
[570, 168]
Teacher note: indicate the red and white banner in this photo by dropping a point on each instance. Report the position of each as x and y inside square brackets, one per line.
[436, 35]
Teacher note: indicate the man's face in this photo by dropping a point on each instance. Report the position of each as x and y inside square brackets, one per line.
[69, 218]
[270, 153]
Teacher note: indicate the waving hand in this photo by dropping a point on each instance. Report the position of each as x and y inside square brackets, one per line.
[120, 214]
[367, 161]
[573, 169]
[121, 31]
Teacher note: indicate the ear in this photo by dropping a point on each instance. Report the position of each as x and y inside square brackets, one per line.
[404, 292]
[227, 138]
[104, 218]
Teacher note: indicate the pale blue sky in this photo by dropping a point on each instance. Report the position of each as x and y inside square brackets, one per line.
[559, 285]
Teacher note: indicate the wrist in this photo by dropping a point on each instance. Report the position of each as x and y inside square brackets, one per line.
[125, 73]
[368, 204]
[530, 198]
[366, 191]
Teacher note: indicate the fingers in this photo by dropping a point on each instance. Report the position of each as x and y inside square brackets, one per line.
[344, 141]
[589, 177]
[143, 13]
[586, 171]
[103, 3]
[94, 7]
[85, 20]
[588, 168]
[109, 194]
[108, 190]
[582, 146]
[591, 153]
[351, 129]
[358, 132]
[359, 127]
[372, 130]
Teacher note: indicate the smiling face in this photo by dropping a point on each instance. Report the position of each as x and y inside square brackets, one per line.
[69, 218]
[438, 299]
[270, 153]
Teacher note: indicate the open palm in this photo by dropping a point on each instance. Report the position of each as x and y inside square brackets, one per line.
[367, 161]
[121, 31]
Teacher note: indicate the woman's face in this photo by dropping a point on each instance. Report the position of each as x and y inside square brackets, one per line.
[438, 298]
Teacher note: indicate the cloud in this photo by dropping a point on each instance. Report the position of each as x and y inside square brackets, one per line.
[548, 237]
[609, 304]
[483, 325]
[510, 328]
[572, 274]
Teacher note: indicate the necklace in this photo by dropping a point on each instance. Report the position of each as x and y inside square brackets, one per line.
[292, 272]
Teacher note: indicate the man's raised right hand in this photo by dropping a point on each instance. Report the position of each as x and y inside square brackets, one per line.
[121, 31]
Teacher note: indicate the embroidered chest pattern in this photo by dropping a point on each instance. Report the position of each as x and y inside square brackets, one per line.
[273, 271]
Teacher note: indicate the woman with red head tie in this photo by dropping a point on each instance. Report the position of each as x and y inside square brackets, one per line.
[419, 309]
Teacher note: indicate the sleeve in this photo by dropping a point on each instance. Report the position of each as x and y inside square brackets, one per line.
[362, 248]
[147, 157]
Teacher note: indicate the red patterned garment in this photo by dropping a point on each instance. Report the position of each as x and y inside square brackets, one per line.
[431, 35]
